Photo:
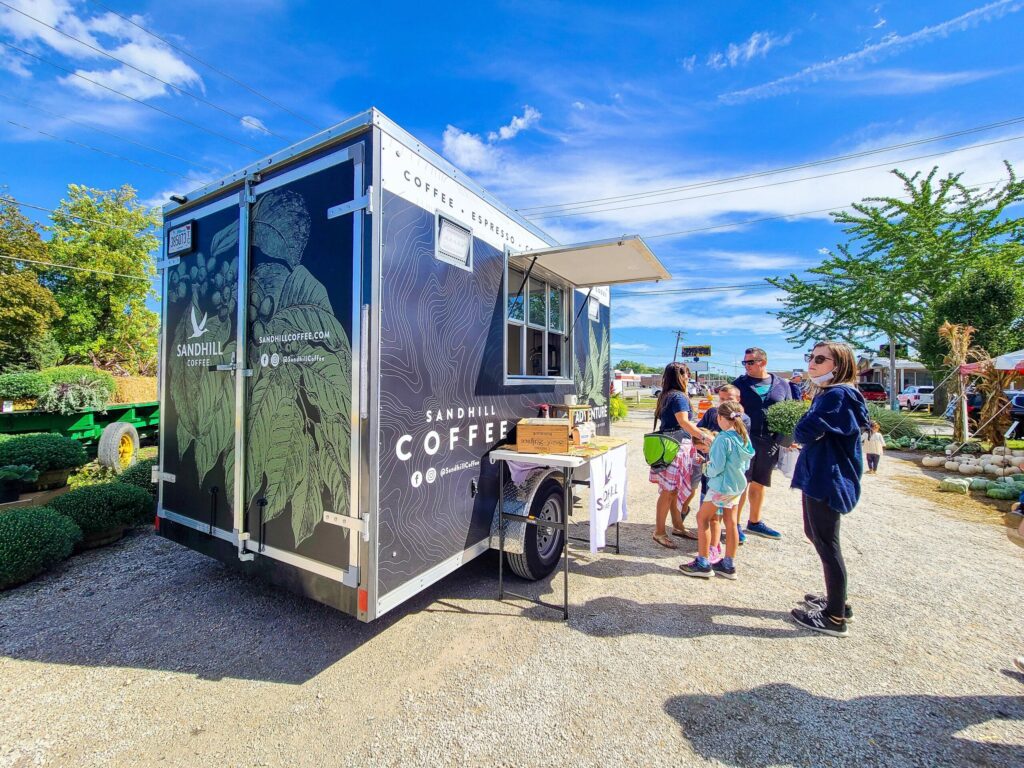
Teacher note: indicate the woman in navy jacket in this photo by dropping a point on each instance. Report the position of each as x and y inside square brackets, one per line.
[828, 472]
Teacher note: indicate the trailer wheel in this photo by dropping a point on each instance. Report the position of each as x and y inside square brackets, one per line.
[118, 447]
[542, 546]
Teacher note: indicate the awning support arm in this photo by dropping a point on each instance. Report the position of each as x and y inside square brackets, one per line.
[523, 288]
[572, 328]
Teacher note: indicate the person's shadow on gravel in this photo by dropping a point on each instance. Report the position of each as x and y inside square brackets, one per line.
[616, 616]
[780, 724]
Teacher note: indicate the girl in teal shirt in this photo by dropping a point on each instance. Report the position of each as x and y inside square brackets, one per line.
[731, 453]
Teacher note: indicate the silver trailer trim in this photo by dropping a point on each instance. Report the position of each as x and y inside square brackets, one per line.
[417, 584]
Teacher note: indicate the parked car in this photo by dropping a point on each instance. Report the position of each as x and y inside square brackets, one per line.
[913, 398]
[1017, 412]
[974, 403]
[873, 391]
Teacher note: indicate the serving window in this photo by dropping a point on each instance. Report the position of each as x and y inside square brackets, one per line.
[535, 327]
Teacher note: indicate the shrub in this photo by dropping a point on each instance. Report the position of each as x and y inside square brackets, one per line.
[20, 473]
[782, 417]
[617, 408]
[72, 397]
[22, 386]
[33, 540]
[43, 451]
[893, 423]
[98, 508]
[76, 374]
[139, 474]
[92, 473]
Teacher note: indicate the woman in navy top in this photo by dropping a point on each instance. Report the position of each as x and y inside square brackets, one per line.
[674, 482]
[828, 472]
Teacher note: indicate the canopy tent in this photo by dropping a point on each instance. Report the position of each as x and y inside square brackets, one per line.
[1011, 361]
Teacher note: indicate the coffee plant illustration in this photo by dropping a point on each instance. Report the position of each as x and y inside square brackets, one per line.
[298, 432]
[590, 374]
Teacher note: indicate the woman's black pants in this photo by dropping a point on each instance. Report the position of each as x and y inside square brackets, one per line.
[821, 524]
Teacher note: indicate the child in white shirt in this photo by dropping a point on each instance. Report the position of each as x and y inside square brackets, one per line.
[874, 446]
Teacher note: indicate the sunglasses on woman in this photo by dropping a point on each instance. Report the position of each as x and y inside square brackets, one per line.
[810, 357]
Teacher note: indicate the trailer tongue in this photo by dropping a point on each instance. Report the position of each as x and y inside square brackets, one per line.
[348, 328]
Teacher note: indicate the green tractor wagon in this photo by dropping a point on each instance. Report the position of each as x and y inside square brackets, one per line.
[113, 432]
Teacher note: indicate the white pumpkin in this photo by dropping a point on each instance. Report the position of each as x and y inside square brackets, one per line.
[1010, 471]
[933, 461]
[952, 466]
[996, 471]
[1002, 450]
[970, 469]
[1018, 452]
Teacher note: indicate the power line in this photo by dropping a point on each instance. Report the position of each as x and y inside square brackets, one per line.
[104, 131]
[77, 269]
[101, 151]
[21, 204]
[779, 183]
[773, 171]
[208, 65]
[179, 118]
[242, 118]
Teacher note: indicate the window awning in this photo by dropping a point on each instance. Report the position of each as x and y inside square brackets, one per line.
[625, 259]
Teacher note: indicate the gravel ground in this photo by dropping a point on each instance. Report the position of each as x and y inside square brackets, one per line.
[145, 653]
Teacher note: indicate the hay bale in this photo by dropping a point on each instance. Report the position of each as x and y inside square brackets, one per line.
[134, 389]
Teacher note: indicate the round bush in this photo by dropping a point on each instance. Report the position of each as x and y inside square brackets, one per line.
[139, 474]
[22, 386]
[98, 508]
[782, 417]
[617, 408]
[33, 540]
[42, 451]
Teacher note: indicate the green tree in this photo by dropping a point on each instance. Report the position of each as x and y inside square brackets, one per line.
[989, 298]
[27, 309]
[633, 365]
[105, 320]
[900, 257]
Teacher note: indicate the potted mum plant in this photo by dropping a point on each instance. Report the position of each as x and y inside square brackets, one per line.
[781, 419]
[12, 478]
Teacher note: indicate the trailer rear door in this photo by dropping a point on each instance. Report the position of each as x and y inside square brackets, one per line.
[301, 407]
[197, 413]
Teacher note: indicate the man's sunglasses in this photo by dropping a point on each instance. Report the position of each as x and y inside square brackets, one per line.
[816, 359]
[752, 362]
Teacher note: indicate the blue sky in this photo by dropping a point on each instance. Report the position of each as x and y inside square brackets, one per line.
[544, 103]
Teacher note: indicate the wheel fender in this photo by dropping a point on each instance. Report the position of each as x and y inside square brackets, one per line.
[518, 499]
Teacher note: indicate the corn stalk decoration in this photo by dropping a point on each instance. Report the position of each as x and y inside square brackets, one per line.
[995, 412]
[958, 339]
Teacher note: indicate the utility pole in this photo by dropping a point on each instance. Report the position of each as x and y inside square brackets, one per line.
[893, 402]
[679, 340]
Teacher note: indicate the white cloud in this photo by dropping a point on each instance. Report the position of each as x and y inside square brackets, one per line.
[579, 105]
[890, 45]
[756, 46]
[468, 151]
[750, 261]
[900, 82]
[193, 180]
[689, 63]
[253, 124]
[471, 152]
[14, 63]
[517, 124]
[107, 33]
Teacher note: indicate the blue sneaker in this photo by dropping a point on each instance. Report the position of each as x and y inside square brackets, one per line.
[760, 529]
[701, 570]
[743, 536]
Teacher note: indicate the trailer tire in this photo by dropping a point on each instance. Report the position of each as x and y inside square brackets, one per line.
[118, 447]
[542, 547]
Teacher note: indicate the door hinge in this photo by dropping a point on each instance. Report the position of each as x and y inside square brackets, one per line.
[342, 209]
[155, 476]
[360, 525]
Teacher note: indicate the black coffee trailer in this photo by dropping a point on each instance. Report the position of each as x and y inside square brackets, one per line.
[348, 328]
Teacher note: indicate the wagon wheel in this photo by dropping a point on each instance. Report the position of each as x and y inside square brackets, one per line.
[118, 447]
